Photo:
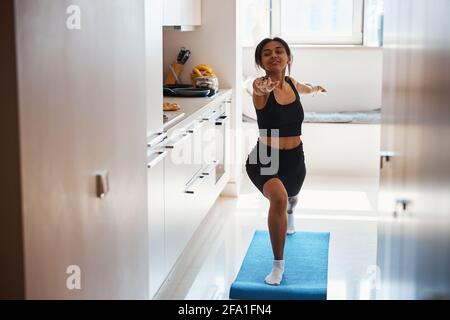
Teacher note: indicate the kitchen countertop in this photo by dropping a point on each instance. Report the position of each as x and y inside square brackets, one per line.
[191, 108]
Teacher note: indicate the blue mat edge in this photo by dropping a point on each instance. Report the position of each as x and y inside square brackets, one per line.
[236, 292]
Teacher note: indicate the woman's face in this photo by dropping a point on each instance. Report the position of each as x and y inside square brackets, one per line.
[274, 57]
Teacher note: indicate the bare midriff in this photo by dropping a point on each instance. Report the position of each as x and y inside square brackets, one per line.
[282, 143]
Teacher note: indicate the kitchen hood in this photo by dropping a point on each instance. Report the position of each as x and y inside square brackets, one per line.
[180, 28]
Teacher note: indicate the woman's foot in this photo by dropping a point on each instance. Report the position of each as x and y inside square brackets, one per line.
[290, 231]
[274, 278]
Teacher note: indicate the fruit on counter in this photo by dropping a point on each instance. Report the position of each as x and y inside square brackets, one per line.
[206, 68]
[202, 70]
[196, 71]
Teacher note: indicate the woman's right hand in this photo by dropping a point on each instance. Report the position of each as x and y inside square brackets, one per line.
[263, 86]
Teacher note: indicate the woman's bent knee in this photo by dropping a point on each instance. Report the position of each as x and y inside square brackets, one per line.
[279, 200]
[276, 193]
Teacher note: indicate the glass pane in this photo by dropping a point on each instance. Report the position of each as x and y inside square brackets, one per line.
[324, 18]
[255, 21]
[373, 31]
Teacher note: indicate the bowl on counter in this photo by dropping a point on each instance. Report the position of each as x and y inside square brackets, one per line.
[208, 82]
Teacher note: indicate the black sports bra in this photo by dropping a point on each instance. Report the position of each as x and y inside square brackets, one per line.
[278, 120]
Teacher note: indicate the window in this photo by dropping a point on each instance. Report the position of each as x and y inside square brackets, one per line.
[373, 22]
[318, 21]
[255, 21]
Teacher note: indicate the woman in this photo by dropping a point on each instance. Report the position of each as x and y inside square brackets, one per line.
[280, 116]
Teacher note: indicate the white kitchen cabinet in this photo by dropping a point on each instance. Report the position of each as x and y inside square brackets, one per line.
[156, 223]
[198, 201]
[182, 12]
[189, 192]
[155, 171]
[191, 185]
[209, 156]
[413, 229]
[179, 210]
[82, 112]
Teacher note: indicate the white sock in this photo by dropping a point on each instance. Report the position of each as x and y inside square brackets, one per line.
[291, 227]
[274, 278]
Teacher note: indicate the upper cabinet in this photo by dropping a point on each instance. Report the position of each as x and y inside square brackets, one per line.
[182, 13]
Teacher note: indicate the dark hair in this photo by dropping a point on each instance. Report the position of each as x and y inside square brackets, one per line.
[260, 46]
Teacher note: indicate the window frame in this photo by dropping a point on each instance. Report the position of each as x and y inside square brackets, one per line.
[357, 37]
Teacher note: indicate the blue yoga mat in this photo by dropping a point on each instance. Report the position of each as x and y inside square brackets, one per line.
[305, 270]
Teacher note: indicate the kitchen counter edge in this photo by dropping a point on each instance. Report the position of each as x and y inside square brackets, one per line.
[194, 108]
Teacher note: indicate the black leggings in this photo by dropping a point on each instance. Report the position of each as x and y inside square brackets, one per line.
[265, 163]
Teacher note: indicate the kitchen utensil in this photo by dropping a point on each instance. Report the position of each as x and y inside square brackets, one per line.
[168, 89]
[186, 57]
[186, 92]
[177, 86]
[174, 74]
[176, 68]
[183, 56]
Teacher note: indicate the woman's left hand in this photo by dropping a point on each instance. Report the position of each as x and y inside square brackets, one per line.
[321, 89]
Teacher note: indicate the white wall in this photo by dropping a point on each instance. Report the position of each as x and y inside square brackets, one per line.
[352, 75]
[339, 149]
[333, 149]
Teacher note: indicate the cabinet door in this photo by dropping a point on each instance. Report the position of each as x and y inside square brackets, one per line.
[179, 172]
[208, 192]
[203, 153]
[392, 142]
[82, 109]
[191, 12]
[396, 232]
[426, 262]
[414, 247]
[172, 12]
[182, 12]
[156, 224]
[227, 140]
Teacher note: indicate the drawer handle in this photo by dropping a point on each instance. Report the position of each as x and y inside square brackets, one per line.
[221, 120]
[210, 116]
[175, 144]
[159, 137]
[209, 169]
[403, 205]
[385, 156]
[193, 187]
[195, 127]
[157, 159]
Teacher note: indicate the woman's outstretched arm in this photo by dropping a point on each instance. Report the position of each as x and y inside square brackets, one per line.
[306, 88]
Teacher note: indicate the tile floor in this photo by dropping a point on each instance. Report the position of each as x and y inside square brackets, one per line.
[346, 207]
